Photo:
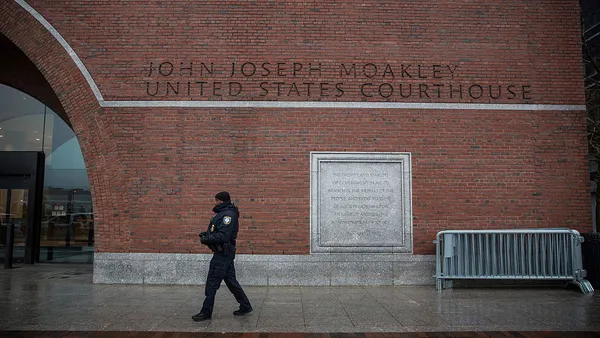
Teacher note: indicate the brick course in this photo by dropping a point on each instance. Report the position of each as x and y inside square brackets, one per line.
[154, 171]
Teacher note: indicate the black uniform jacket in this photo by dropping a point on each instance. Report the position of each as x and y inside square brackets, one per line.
[223, 228]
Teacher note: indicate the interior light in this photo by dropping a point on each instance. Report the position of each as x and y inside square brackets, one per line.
[37, 139]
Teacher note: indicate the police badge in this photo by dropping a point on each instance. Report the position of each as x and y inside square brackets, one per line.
[226, 219]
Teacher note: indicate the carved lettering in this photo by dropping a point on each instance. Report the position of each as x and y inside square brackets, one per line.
[165, 68]
[375, 81]
[248, 69]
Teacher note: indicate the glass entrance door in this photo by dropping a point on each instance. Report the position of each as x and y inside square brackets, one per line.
[14, 200]
[67, 227]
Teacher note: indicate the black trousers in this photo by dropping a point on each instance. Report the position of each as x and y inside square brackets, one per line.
[222, 268]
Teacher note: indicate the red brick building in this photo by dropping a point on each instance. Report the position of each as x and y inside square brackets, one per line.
[173, 101]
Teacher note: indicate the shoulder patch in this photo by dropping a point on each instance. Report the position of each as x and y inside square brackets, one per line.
[226, 219]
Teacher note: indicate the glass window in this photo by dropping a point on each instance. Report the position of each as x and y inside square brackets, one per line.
[21, 121]
[67, 227]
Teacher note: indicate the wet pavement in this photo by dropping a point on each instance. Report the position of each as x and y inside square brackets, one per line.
[52, 297]
[150, 334]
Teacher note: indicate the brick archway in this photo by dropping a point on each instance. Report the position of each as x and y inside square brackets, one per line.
[84, 113]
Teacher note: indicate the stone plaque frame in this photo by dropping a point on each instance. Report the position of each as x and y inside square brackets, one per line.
[322, 231]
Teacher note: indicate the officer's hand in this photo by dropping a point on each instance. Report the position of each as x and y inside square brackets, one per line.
[203, 238]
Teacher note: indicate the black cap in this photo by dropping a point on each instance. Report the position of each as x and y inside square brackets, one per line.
[223, 196]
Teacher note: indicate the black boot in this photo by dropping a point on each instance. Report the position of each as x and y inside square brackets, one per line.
[200, 317]
[242, 312]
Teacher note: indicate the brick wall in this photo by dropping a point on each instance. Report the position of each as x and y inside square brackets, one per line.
[154, 171]
[17, 71]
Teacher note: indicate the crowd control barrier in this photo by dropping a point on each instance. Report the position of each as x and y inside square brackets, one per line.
[519, 254]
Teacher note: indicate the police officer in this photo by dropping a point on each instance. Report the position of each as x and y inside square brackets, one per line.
[220, 238]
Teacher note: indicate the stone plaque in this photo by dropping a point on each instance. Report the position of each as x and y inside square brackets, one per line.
[361, 202]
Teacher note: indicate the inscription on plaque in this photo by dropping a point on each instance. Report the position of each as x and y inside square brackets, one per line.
[360, 202]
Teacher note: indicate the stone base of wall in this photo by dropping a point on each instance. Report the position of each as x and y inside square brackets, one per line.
[306, 270]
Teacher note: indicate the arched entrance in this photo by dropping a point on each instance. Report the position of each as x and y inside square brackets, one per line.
[62, 229]
[50, 207]
[75, 101]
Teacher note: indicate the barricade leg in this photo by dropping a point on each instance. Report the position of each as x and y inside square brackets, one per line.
[584, 285]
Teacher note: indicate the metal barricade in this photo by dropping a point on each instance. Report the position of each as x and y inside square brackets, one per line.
[542, 254]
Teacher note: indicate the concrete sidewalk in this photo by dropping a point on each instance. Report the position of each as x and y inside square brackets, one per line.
[49, 297]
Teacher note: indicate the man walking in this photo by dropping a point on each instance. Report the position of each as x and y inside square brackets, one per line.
[220, 238]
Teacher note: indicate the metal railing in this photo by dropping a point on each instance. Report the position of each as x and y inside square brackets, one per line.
[543, 254]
